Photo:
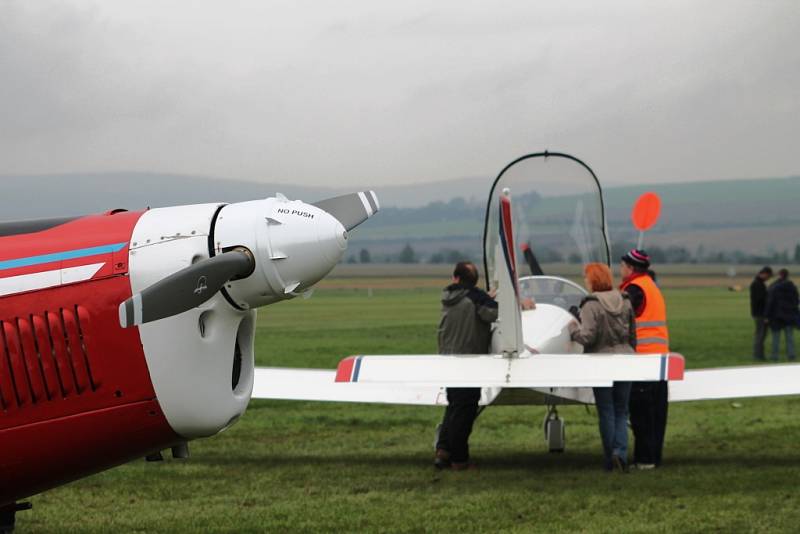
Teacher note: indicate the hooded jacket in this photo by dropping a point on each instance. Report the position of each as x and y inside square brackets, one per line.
[608, 324]
[467, 317]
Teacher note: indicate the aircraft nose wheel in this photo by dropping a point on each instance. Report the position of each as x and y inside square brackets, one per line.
[554, 430]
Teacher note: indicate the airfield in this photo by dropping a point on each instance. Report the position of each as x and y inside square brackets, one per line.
[303, 466]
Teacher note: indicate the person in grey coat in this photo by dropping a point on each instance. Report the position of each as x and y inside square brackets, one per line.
[608, 325]
[465, 328]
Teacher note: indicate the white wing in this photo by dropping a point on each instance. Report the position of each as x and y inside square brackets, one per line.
[421, 380]
[534, 371]
[737, 382]
[321, 385]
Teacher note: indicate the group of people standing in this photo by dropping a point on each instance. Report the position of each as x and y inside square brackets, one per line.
[775, 308]
[630, 319]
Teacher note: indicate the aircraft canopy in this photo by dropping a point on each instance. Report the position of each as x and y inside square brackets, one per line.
[557, 210]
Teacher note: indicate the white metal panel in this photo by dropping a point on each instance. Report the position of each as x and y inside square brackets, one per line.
[545, 329]
[191, 372]
[737, 382]
[539, 371]
[295, 245]
[319, 385]
[56, 277]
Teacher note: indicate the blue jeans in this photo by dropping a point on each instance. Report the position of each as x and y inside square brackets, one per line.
[776, 341]
[612, 413]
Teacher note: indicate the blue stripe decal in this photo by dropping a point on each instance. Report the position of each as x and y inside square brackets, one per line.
[60, 256]
[356, 369]
[663, 368]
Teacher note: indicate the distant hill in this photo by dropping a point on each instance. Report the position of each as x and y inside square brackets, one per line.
[748, 215]
[754, 216]
[28, 197]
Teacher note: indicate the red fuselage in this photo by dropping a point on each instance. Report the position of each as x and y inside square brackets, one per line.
[75, 392]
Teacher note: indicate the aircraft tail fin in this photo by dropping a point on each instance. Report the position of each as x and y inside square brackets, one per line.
[509, 333]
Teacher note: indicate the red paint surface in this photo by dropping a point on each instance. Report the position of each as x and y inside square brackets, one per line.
[44, 455]
[75, 392]
[508, 227]
[675, 366]
[344, 371]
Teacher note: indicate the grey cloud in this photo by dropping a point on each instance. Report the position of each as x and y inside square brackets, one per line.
[369, 93]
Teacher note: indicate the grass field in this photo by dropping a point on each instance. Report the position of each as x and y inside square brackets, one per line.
[298, 466]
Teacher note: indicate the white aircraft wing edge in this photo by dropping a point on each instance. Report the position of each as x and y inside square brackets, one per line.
[534, 371]
[320, 385]
[737, 382]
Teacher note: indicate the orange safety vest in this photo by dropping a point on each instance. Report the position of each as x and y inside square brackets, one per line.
[652, 335]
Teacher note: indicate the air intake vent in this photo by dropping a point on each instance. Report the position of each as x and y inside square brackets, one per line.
[44, 357]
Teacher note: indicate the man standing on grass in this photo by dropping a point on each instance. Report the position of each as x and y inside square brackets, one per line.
[758, 305]
[465, 328]
[649, 400]
[782, 313]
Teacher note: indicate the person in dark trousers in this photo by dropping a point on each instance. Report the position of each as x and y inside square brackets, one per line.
[782, 313]
[608, 325]
[649, 402]
[465, 328]
[758, 305]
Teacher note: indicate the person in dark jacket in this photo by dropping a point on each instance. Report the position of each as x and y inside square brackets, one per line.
[465, 328]
[758, 304]
[608, 325]
[782, 313]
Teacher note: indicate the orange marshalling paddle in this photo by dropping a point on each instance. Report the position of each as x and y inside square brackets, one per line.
[645, 214]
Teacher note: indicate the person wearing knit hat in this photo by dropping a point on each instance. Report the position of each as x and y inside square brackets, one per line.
[648, 400]
[637, 258]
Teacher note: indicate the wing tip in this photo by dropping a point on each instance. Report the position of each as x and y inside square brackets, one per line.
[348, 369]
[676, 365]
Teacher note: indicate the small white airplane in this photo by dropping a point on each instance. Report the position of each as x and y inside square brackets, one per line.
[558, 206]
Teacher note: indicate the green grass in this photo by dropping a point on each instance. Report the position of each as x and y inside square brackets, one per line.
[301, 466]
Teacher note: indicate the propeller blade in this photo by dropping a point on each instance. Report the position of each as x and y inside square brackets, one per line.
[530, 259]
[186, 289]
[351, 210]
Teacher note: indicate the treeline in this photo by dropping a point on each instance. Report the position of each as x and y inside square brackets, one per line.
[659, 255]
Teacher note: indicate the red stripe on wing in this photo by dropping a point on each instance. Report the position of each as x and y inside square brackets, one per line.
[344, 371]
[675, 366]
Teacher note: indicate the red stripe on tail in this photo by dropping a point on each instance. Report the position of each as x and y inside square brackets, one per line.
[505, 206]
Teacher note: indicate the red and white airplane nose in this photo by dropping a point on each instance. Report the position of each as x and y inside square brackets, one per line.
[197, 274]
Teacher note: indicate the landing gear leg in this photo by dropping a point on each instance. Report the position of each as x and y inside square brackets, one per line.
[8, 516]
[554, 433]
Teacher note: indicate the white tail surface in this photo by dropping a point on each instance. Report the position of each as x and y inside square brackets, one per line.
[508, 335]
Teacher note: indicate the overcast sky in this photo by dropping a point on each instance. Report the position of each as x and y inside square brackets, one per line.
[365, 92]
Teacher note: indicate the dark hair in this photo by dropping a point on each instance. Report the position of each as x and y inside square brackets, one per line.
[783, 273]
[766, 270]
[467, 273]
